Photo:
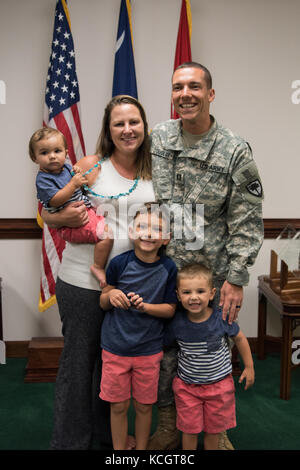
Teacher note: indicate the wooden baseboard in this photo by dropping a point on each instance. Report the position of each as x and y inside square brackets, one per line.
[20, 348]
[43, 355]
[16, 348]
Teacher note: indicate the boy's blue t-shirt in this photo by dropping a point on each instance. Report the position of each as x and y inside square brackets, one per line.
[131, 332]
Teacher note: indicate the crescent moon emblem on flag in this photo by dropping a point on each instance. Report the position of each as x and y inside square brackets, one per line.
[120, 41]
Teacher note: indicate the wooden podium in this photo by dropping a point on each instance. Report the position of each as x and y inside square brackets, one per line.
[43, 359]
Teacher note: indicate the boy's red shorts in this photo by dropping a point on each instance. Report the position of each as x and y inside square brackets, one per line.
[209, 408]
[124, 376]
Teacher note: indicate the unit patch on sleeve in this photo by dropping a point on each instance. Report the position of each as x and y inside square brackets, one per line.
[248, 181]
[255, 188]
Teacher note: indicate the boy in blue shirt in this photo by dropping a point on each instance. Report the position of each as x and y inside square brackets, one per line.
[140, 294]
[203, 388]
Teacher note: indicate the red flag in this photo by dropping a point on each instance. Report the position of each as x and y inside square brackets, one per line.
[183, 45]
[61, 111]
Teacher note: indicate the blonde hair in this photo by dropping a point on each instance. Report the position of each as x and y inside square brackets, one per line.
[43, 133]
[193, 270]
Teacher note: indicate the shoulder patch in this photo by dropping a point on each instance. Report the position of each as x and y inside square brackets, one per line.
[255, 188]
[248, 181]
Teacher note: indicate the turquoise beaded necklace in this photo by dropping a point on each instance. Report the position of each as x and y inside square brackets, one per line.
[117, 196]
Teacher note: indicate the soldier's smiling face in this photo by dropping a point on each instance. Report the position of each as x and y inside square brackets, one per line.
[190, 94]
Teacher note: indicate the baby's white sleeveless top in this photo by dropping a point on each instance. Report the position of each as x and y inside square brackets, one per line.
[77, 258]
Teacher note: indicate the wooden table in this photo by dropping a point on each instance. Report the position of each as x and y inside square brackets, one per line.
[288, 306]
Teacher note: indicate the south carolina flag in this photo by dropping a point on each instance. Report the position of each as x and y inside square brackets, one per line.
[124, 82]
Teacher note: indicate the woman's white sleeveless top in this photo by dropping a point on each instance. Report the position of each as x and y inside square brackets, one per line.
[77, 258]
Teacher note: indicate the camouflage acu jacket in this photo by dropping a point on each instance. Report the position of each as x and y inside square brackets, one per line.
[218, 175]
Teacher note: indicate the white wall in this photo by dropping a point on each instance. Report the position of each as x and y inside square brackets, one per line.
[251, 49]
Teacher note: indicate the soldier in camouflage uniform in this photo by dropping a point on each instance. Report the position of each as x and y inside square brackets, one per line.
[198, 162]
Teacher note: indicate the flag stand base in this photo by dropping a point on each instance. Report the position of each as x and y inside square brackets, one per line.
[43, 359]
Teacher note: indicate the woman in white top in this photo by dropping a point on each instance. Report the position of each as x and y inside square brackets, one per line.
[122, 169]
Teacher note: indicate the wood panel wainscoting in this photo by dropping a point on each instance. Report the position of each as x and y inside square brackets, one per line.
[29, 229]
[21, 229]
[44, 353]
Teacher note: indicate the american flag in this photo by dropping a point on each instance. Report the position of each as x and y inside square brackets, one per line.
[61, 111]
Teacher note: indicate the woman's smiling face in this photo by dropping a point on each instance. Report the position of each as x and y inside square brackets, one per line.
[126, 128]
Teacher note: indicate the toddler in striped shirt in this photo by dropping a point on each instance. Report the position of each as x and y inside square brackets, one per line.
[204, 388]
[58, 184]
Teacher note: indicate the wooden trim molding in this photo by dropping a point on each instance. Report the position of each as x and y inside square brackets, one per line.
[29, 228]
[273, 227]
[21, 229]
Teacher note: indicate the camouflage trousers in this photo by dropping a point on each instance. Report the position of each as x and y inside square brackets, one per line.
[168, 365]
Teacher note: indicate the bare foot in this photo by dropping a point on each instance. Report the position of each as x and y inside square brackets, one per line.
[130, 443]
[99, 274]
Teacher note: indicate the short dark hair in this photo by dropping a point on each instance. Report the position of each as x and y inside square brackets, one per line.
[196, 65]
[155, 208]
[43, 133]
